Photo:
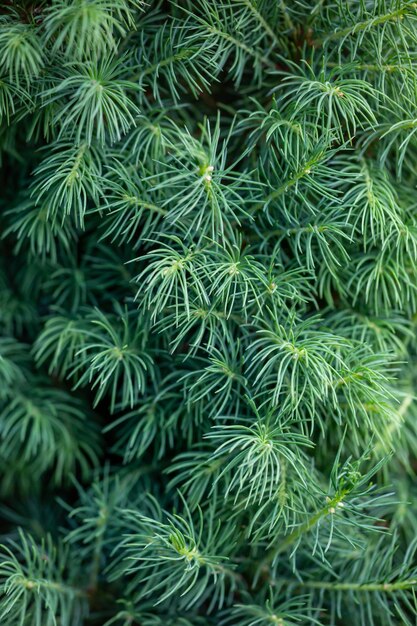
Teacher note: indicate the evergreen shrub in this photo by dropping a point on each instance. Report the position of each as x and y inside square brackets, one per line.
[208, 308]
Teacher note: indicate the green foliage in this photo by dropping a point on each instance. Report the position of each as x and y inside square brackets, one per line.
[178, 556]
[83, 28]
[208, 305]
[36, 586]
[22, 56]
[91, 102]
[113, 359]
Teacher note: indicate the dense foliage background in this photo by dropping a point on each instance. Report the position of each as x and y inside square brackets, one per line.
[208, 298]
